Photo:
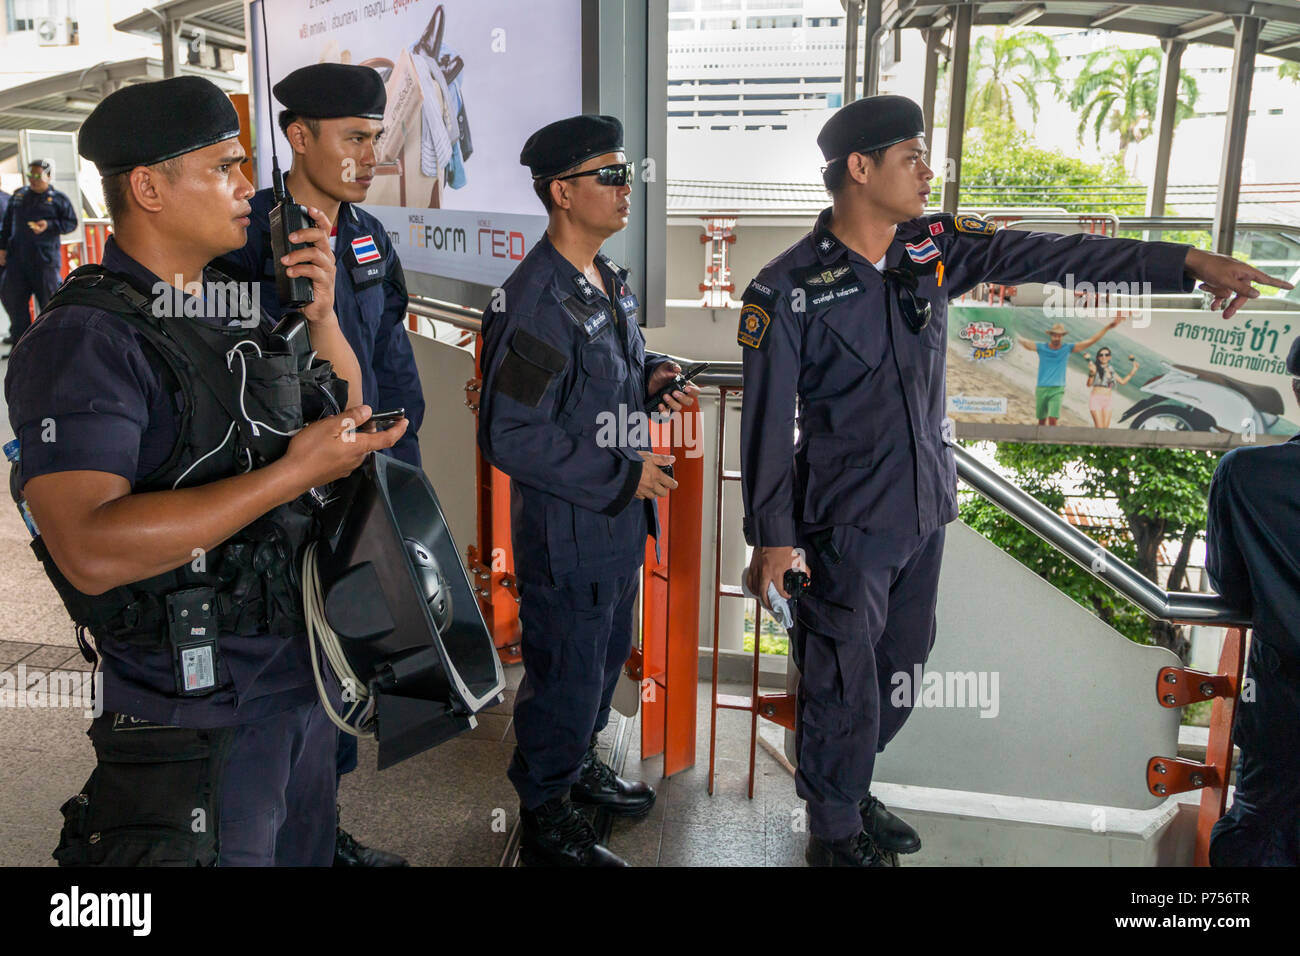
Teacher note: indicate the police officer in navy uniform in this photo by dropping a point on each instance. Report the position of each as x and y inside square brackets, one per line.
[845, 334]
[29, 245]
[563, 355]
[167, 483]
[332, 119]
[1253, 558]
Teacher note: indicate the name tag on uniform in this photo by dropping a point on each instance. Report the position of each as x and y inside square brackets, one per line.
[364, 274]
[597, 322]
[629, 304]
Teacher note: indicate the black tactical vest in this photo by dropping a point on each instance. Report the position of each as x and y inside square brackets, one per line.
[225, 405]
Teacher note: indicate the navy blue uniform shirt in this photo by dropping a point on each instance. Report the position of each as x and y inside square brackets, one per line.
[1253, 539]
[27, 205]
[370, 301]
[83, 397]
[563, 368]
[827, 344]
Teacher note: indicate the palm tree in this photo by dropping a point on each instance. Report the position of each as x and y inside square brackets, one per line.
[1119, 90]
[1001, 62]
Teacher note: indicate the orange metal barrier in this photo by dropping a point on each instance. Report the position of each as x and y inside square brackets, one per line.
[668, 665]
[1177, 687]
[491, 563]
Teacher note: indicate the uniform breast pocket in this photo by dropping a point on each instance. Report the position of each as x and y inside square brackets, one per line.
[603, 374]
[838, 471]
[370, 303]
[862, 332]
[935, 334]
[636, 350]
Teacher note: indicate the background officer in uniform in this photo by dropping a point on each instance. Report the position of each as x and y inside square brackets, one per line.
[332, 120]
[1253, 557]
[36, 216]
[847, 330]
[563, 353]
[96, 418]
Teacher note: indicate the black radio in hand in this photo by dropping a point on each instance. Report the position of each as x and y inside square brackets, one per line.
[288, 217]
[678, 384]
[293, 292]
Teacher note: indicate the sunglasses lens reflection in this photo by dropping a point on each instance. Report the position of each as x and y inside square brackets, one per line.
[615, 175]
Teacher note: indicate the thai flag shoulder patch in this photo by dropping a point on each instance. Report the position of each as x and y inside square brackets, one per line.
[921, 252]
[365, 249]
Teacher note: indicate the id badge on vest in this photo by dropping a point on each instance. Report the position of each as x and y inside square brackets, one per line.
[192, 633]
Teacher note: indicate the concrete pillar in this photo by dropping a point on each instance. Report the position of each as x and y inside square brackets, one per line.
[932, 38]
[959, 62]
[871, 53]
[169, 34]
[1170, 71]
[1234, 136]
[852, 10]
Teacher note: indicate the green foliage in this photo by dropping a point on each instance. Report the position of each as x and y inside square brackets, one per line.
[1160, 492]
[1289, 70]
[1000, 62]
[1119, 90]
[999, 159]
[999, 154]
[773, 640]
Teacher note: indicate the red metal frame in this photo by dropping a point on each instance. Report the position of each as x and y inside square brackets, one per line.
[778, 708]
[1178, 686]
[1218, 752]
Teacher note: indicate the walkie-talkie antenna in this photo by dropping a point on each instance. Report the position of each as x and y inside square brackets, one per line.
[277, 178]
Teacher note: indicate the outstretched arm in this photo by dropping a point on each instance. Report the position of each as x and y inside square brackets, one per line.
[1090, 342]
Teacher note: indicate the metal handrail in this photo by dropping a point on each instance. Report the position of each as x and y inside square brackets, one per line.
[1176, 607]
[471, 320]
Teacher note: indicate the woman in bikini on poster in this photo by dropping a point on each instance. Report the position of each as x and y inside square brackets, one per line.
[1102, 380]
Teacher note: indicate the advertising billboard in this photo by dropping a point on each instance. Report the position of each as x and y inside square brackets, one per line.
[467, 83]
[1123, 373]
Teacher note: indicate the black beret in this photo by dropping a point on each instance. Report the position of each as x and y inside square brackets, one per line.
[151, 122]
[1293, 359]
[570, 142]
[43, 163]
[330, 90]
[875, 122]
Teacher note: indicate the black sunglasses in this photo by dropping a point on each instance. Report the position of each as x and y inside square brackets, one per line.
[916, 312]
[619, 174]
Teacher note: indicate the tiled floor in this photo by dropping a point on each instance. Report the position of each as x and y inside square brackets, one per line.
[449, 806]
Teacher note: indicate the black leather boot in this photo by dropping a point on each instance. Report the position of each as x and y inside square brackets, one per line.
[556, 834]
[348, 852]
[857, 850]
[598, 786]
[892, 834]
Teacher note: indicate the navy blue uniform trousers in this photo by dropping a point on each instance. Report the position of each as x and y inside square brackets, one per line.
[868, 615]
[24, 278]
[575, 640]
[1262, 827]
[277, 797]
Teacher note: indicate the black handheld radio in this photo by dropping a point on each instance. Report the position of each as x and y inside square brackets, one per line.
[286, 217]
